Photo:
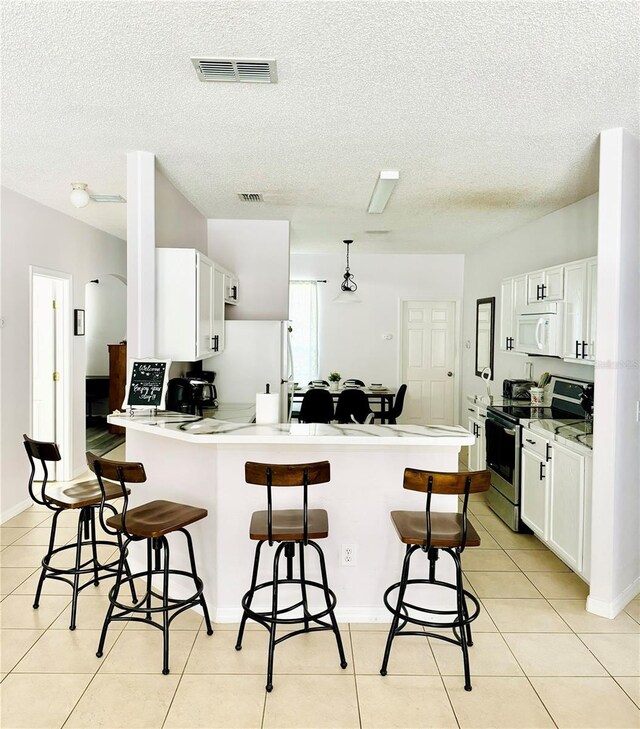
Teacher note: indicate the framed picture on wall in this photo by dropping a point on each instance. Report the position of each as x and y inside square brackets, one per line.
[78, 322]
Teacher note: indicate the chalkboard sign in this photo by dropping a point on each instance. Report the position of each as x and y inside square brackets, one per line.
[146, 383]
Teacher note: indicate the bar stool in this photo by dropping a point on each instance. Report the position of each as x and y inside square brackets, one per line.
[289, 527]
[430, 532]
[85, 497]
[150, 522]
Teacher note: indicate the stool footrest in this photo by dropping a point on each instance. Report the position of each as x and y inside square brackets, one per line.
[140, 606]
[404, 615]
[266, 618]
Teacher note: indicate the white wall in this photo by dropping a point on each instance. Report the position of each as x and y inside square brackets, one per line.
[615, 564]
[351, 334]
[105, 320]
[257, 251]
[33, 234]
[179, 224]
[564, 235]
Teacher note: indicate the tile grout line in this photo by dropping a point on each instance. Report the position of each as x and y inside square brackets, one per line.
[184, 668]
[355, 676]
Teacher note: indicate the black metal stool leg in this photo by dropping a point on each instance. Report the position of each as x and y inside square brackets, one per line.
[113, 597]
[46, 558]
[461, 619]
[197, 581]
[76, 577]
[149, 577]
[274, 615]
[164, 544]
[327, 597]
[303, 586]
[91, 528]
[396, 617]
[254, 580]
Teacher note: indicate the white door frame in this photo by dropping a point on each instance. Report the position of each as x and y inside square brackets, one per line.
[63, 408]
[457, 338]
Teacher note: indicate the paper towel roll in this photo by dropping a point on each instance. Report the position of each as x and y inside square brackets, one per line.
[267, 408]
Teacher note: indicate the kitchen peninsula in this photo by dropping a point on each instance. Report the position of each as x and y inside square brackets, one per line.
[201, 462]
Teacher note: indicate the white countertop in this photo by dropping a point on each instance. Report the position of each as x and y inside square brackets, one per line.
[574, 433]
[207, 430]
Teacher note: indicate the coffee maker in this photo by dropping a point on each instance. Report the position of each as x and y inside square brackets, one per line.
[205, 391]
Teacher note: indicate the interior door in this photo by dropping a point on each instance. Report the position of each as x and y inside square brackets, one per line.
[44, 358]
[428, 359]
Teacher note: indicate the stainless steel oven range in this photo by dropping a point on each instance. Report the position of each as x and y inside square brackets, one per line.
[504, 440]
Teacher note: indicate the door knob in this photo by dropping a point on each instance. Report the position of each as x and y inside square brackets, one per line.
[449, 374]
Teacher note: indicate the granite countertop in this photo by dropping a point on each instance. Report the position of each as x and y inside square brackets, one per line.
[208, 430]
[567, 432]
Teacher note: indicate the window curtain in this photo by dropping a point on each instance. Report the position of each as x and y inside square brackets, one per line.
[303, 312]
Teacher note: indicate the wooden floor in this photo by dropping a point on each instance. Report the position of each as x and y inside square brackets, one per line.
[100, 440]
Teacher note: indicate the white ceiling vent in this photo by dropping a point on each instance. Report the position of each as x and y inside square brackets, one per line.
[251, 196]
[257, 71]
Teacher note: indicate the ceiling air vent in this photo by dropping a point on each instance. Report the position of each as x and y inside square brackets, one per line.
[257, 71]
[251, 196]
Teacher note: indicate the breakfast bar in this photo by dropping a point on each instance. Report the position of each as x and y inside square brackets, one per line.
[201, 461]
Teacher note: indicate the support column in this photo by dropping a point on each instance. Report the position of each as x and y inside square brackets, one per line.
[141, 249]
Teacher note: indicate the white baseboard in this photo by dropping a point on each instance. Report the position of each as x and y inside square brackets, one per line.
[15, 510]
[614, 607]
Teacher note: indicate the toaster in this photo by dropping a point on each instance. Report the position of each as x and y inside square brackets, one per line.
[517, 389]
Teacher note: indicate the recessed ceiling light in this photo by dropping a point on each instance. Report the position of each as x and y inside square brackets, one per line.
[382, 191]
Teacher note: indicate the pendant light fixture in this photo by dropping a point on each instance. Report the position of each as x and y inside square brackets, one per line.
[348, 287]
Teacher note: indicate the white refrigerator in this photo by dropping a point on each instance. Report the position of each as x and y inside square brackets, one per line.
[256, 353]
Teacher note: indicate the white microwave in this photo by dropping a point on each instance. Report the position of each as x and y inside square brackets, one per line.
[539, 329]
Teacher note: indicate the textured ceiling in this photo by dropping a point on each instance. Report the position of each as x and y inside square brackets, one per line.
[490, 110]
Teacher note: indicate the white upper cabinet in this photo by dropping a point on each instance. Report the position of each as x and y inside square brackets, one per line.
[580, 310]
[546, 285]
[231, 289]
[189, 305]
[512, 300]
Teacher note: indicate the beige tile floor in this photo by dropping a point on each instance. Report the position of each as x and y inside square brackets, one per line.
[539, 659]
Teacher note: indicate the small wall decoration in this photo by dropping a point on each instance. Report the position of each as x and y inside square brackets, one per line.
[78, 322]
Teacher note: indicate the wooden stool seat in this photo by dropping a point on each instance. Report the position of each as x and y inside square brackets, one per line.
[447, 529]
[288, 525]
[78, 495]
[157, 518]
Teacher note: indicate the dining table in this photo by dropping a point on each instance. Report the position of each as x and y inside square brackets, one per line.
[381, 396]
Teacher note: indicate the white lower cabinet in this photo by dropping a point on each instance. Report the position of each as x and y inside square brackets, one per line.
[534, 498]
[566, 523]
[556, 498]
[478, 451]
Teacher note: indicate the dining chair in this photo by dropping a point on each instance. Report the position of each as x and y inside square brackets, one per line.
[398, 404]
[353, 407]
[316, 407]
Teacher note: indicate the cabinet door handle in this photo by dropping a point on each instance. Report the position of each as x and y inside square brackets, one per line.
[483, 416]
[541, 470]
[214, 342]
[234, 293]
[530, 441]
[543, 294]
[538, 292]
[548, 452]
[584, 353]
[471, 410]
[577, 345]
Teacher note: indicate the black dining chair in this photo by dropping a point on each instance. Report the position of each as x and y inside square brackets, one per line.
[398, 404]
[353, 407]
[316, 407]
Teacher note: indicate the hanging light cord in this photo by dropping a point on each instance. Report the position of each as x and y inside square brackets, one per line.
[348, 284]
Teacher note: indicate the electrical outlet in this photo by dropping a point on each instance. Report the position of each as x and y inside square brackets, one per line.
[348, 555]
